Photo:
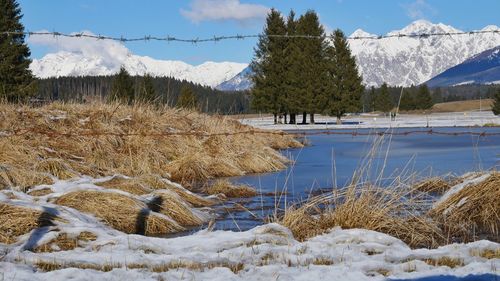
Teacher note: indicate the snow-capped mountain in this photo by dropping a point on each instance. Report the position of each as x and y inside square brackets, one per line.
[81, 57]
[406, 61]
[480, 69]
[240, 82]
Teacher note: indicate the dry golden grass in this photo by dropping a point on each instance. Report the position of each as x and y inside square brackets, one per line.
[170, 204]
[131, 186]
[164, 267]
[16, 221]
[230, 190]
[120, 212]
[21, 179]
[459, 106]
[445, 261]
[433, 185]
[378, 209]
[40, 192]
[65, 242]
[473, 212]
[487, 253]
[83, 150]
[196, 200]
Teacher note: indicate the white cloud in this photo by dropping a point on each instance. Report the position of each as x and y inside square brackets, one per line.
[221, 10]
[111, 52]
[419, 9]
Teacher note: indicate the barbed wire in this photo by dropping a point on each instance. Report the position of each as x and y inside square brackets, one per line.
[168, 38]
[8, 133]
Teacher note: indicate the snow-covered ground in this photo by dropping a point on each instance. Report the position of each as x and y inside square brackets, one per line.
[267, 252]
[454, 119]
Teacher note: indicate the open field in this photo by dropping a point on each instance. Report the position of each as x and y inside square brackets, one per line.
[461, 106]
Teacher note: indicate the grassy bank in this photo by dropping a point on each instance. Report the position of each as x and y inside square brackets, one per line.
[135, 157]
[430, 213]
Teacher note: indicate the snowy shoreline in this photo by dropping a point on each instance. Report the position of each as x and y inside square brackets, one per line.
[375, 121]
[266, 252]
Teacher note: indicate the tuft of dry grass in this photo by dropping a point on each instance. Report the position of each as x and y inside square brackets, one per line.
[433, 185]
[40, 192]
[230, 190]
[55, 167]
[170, 204]
[120, 212]
[66, 242]
[487, 253]
[368, 207]
[473, 212]
[87, 148]
[128, 185]
[445, 261]
[18, 221]
[157, 183]
[21, 179]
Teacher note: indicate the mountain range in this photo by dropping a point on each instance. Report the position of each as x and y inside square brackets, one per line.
[404, 61]
[400, 61]
[483, 68]
[65, 63]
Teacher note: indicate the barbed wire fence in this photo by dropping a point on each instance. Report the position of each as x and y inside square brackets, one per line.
[9, 133]
[168, 38]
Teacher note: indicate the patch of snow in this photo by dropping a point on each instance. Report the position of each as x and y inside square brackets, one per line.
[467, 181]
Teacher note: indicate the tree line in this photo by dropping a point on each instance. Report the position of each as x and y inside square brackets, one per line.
[298, 75]
[145, 89]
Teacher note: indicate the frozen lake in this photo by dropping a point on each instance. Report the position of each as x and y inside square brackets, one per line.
[330, 161]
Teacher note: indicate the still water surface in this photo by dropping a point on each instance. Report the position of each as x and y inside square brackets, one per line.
[330, 160]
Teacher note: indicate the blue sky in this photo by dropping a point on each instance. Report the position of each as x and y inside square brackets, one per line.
[206, 18]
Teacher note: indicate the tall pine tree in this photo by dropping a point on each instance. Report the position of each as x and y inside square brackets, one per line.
[383, 100]
[295, 93]
[423, 100]
[17, 83]
[147, 93]
[123, 87]
[187, 99]
[345, 83]
[407, 101]
[496, 103]
[313, 63]
[268, 66]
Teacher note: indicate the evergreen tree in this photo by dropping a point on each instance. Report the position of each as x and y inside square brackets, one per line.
[383, 101]
[407, 101]
[147, 92]
[437, 96]
[496, 104]
[268, 67]
[345, 88]
[313, 63]
[372, 96]
[187, 99]
[423, 99]
[295, 93]
[123, 87]
[16, 80]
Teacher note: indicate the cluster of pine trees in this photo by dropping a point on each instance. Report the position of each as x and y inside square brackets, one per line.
[299, 70]
[385, 99]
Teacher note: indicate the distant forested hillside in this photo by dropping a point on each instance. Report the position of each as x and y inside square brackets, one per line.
[91, 88]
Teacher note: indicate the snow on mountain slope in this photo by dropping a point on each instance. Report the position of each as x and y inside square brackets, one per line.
[406, 61]
[91, 57]
[479, 69]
